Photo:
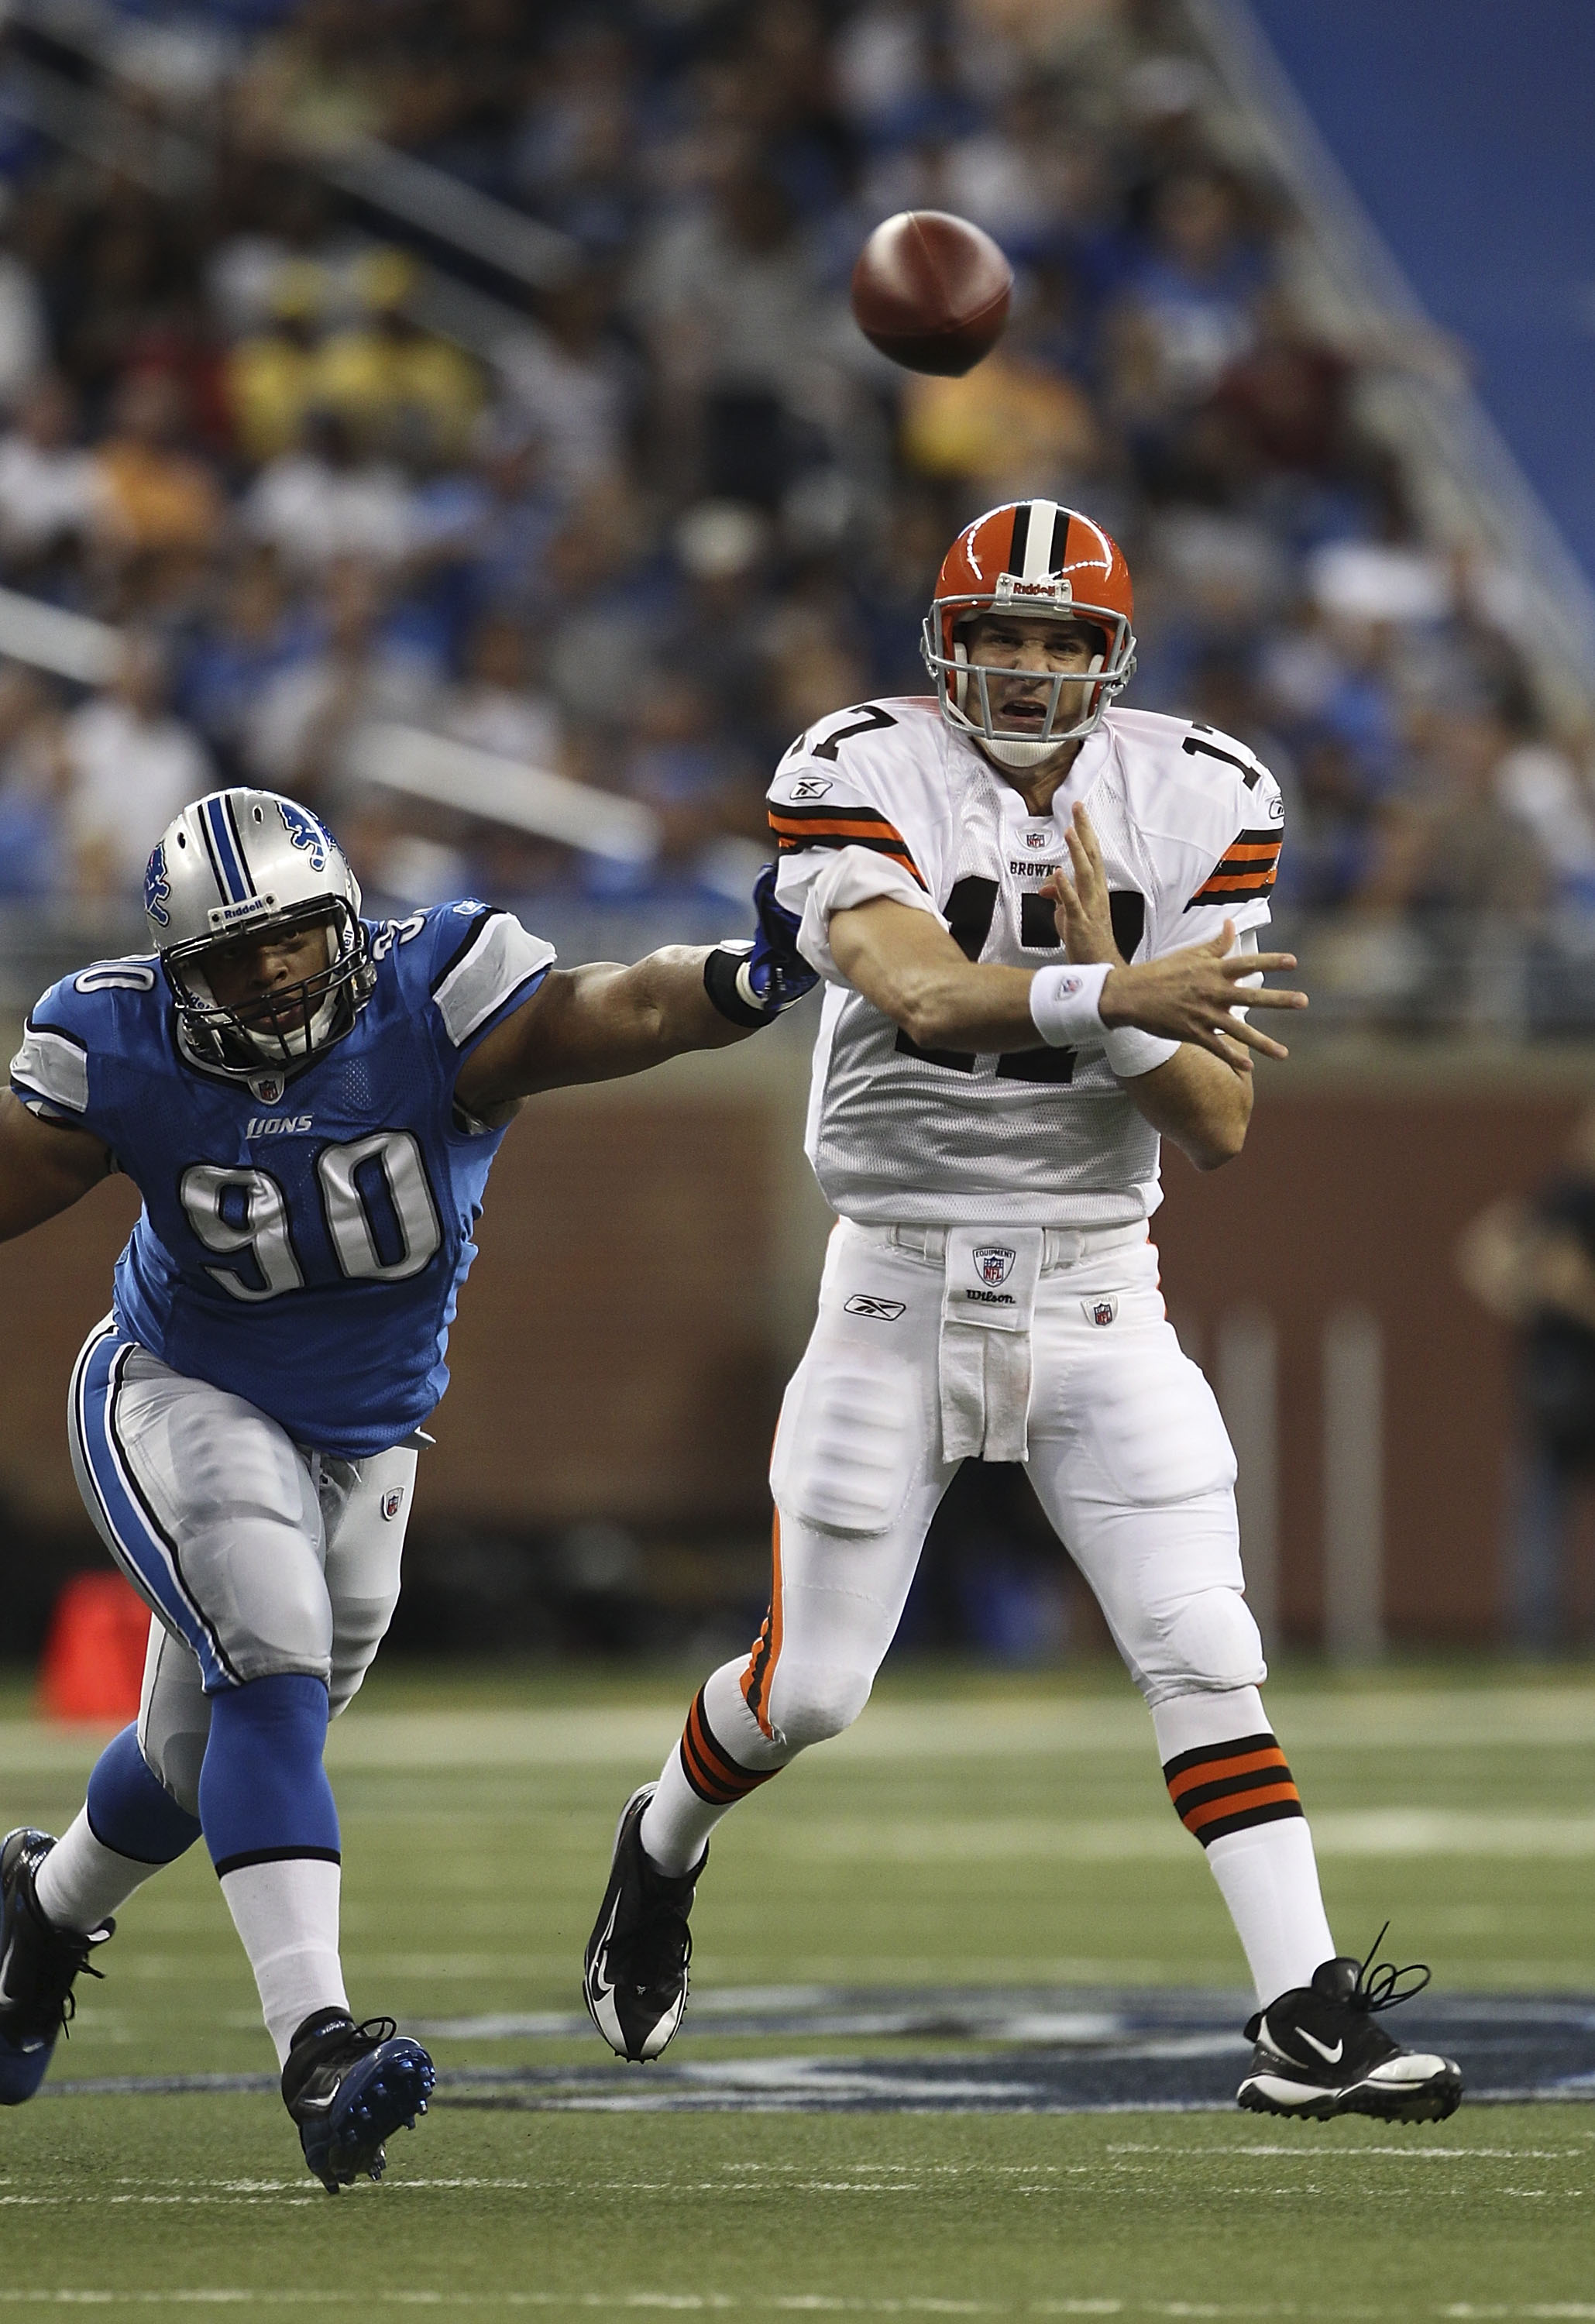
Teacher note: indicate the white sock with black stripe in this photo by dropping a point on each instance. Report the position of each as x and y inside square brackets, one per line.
[286, 1912]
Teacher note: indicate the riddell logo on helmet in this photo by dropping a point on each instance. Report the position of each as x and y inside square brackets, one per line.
[1057, 589]
[232, 915]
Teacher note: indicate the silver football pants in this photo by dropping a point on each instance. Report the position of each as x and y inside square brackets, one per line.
[254, 1554]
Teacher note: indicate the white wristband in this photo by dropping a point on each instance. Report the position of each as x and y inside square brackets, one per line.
[1064, 1003]
[1131, 1052]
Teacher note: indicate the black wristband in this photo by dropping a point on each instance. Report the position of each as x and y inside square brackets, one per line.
[719, 975]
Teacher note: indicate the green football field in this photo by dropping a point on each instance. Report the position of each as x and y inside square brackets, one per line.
[972, 1835]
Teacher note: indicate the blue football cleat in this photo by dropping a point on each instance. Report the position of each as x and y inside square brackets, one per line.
[347, 2087]
[39, 1964]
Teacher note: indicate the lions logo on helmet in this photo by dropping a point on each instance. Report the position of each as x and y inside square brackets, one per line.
[157, 889]
[305, 832]
[250, 864]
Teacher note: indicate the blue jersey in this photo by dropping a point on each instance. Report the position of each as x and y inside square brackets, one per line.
[302, 1241]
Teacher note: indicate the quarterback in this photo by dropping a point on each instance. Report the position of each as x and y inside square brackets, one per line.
[309, 1103]
[1035, 916]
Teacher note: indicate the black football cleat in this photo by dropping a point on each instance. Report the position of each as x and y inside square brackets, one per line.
[39, 1965]
[635, 1978]
[347, 2087]
[1320, 2053]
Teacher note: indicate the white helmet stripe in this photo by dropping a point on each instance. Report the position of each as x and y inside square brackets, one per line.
[1037, 542]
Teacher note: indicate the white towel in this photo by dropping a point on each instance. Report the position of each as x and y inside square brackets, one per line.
[988, 1304]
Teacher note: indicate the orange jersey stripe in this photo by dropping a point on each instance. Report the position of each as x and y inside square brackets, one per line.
[1237, 883]
[1236, 1803]
[1216, 1771]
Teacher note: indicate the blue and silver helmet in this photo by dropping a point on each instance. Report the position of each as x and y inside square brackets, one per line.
[228, 871]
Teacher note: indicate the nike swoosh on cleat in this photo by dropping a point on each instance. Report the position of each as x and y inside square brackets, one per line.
[1331, 2057]
[604, 1984]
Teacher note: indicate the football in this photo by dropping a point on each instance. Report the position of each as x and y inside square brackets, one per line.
[931, 291]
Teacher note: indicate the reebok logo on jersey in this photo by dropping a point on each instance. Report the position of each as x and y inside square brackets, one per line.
[811, 787]
[879, 1311]
[277, 1125]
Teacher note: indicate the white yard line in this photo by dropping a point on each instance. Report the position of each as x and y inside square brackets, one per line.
[1413, 1719]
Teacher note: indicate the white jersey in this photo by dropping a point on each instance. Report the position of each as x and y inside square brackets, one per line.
[887, 799]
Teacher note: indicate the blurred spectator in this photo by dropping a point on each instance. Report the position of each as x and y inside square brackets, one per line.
[24, 333]
[273, 374]
[391, 382]
[495, 707]
[34, 781]
[48, 488]
[154, 497]
[323, 500]
[731, 309]
[232, 658]
[1531, 1262]
[132, 765]
[297, 729]
[572, 382]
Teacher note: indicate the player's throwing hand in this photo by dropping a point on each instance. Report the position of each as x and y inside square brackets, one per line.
[1185, 996]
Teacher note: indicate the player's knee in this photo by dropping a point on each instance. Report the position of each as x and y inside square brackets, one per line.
[358, 1630]
[811, 1701]
[175, 1758]
[282, 1620]
[1210, 1644]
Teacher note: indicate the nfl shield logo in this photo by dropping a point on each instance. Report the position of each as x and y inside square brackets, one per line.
[1100, 1310]
[1035, 838]
[993, 1260]
[268, 1088]
[392, 1502]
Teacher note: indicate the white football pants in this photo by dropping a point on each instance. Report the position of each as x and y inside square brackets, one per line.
[1127, 1452]
[254, 1554]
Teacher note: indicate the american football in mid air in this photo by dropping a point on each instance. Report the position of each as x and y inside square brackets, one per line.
[931, 292]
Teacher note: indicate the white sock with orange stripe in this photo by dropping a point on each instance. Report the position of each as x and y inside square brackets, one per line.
[1232, 1789]
[724, 1755]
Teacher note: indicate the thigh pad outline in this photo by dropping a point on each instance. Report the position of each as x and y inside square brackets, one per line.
[849, 1441]
[1154, 1425]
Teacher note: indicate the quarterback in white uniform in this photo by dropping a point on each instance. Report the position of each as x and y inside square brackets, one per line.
[1035, 914]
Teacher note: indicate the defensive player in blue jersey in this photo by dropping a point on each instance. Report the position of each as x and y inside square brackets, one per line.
[309, 1103]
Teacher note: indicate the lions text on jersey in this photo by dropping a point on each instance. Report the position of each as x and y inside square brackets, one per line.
[303, 1238]
[885, 798]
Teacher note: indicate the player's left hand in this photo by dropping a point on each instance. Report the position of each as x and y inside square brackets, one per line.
[1081, 904]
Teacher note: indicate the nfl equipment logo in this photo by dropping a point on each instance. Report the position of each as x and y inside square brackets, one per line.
[992, 1262]
[392, 1502]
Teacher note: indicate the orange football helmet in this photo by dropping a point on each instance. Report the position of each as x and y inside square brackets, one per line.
[1029, 557]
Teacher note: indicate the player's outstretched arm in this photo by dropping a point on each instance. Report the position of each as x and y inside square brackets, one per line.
[596, 1024]
[43, 1168]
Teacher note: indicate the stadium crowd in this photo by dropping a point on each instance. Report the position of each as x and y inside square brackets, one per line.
[681, 509]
